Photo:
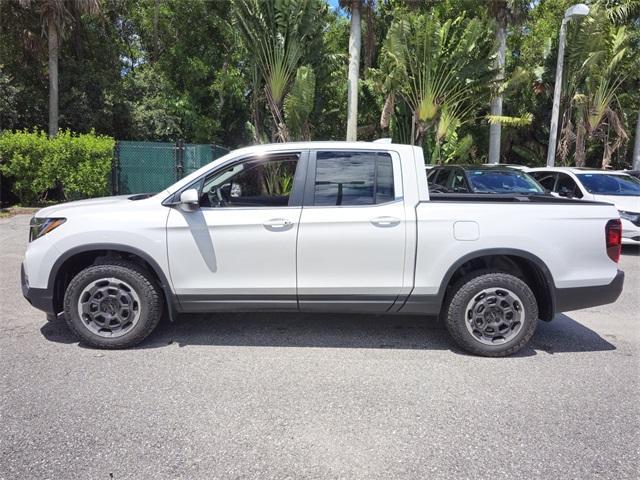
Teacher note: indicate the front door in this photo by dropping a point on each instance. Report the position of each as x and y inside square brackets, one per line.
[351, 241]
[239, 246]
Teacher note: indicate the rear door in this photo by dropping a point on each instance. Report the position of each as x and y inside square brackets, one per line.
[352, 234]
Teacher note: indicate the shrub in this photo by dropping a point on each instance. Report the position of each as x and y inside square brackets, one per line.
[74, 165]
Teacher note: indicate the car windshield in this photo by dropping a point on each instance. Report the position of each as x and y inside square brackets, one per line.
[609, 184]
[502, 181]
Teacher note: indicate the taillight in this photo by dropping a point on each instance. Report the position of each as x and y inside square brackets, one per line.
[613, 234]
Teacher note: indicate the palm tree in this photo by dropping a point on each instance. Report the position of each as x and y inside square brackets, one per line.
[56, 15]
[505, 12]
[592, 112]
[440, 70]
[276, 34]
[299, 103]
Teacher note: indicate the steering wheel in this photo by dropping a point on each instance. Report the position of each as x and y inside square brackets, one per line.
[215, 197]
[221, 200]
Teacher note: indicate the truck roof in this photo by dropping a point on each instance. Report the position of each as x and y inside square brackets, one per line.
[330, 144]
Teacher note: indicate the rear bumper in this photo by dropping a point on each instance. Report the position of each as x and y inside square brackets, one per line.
[40, 298]
[568, 299]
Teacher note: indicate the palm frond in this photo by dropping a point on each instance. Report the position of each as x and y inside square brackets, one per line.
[299, 103]
[522, 121]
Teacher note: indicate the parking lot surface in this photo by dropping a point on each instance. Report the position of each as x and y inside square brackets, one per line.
[316, 396]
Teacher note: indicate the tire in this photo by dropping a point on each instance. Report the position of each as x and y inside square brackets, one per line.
[121, 301]
[491, 314]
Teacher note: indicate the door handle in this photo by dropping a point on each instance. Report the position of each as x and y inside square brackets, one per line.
[277, 223]
[385, 221]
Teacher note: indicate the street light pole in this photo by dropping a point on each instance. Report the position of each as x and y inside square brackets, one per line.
[636, 146]
[555, 111]
[575, 11]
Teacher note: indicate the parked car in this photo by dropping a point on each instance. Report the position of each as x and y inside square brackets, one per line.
[516, 166]
[633, 173]
[483, 179]
[321, 227]
[617, 188]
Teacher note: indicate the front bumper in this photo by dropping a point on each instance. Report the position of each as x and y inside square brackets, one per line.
[632, 238]
[630, 233]
[568, 299]
[40, 298]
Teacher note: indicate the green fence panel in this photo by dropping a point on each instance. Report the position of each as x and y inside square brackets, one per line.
[195, 156]
[146, 167]
[149, 167]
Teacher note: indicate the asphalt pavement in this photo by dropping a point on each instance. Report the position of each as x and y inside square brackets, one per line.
[317, 396]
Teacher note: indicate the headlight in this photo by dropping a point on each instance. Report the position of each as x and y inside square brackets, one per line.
[632, 217]
[41, 226]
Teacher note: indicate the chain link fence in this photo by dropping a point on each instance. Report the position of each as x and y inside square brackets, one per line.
[149, 167]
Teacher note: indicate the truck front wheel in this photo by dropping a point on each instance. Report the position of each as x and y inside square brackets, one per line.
[491, 314]
[114, 304]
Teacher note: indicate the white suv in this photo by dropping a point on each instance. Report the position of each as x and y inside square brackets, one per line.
[617, 188]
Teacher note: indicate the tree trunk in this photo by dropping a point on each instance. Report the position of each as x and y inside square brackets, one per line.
[156, 11]
[636, 146]
[581, 154]
[496, 101]
[354, 67]
[387, 111]
[255, 107]
[370, 37]
[53, 75]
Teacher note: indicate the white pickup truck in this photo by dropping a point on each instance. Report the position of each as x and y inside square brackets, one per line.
[322, 227]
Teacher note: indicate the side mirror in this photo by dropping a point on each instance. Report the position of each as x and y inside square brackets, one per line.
[189, 199]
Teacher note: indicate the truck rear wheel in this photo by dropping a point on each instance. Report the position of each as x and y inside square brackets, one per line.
[115, 304]
[491, 314]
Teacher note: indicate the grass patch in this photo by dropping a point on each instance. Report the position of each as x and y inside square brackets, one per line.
[17, 210]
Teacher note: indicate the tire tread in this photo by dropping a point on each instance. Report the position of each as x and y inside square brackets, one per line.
[148, 289]
[455, 306]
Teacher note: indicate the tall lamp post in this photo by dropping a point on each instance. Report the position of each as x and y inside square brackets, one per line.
[576, 11]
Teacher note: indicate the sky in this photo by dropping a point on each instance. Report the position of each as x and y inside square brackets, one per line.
[333, 3]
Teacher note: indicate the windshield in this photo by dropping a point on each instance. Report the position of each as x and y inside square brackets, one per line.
[608, 184]
[502, 181]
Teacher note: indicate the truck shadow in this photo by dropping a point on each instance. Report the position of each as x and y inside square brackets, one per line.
[339, 331]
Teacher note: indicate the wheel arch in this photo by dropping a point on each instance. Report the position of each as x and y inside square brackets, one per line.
[74, 260]
[523, 264]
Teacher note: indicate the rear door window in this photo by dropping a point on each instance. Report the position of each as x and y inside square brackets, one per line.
[353, 178]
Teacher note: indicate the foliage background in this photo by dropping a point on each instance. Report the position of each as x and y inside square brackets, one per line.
[182, 69]
[68, 166]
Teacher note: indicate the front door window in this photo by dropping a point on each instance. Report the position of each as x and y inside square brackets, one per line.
[253, 183]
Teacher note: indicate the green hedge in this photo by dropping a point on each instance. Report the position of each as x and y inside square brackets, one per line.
[71, 165]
